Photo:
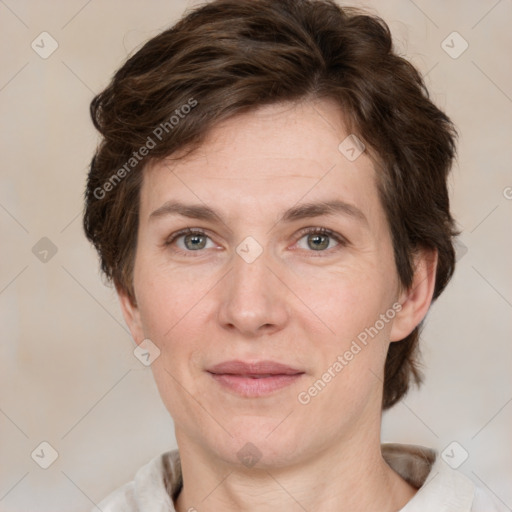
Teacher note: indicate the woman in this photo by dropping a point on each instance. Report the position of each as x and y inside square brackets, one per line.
[270, 201]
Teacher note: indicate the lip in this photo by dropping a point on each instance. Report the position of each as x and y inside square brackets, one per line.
[254, 379]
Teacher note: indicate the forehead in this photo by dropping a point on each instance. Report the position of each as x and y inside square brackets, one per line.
[277, 154]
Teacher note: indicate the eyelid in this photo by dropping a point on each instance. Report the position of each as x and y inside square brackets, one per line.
[312, 230]
[185, 231]
[171, 239]
[341, 240]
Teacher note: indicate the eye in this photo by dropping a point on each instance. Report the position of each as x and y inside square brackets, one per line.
[314, 239]
[320, 239]
[189, 240]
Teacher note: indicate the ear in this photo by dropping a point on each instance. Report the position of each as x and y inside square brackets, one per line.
[417, 299]
[131, 314]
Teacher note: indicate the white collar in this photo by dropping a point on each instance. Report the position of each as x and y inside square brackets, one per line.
[441, 489]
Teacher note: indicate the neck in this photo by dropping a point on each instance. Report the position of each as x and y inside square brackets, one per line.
[344, 478]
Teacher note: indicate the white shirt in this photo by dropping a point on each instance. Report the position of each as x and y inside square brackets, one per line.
[441, 489]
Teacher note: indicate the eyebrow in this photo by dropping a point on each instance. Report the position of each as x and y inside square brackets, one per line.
[298, 212]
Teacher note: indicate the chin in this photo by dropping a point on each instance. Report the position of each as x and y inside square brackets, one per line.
[257, 443]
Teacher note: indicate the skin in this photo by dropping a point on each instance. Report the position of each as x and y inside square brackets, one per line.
[293, 304]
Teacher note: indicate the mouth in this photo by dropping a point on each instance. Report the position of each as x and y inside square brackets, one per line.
[254, 379]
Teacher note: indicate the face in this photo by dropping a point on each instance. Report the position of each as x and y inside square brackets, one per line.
[264, 273]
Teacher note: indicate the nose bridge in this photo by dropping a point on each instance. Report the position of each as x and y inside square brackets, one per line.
[253, 299]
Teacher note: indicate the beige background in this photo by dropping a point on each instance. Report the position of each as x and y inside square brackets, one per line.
[68, 375]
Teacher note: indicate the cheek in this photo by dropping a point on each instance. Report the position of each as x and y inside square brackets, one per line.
[169, 298]
[346, 301]
[170, 306]
[350, 354]
[334, 306]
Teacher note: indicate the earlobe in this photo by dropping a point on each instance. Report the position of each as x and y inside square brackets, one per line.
[131, 314]
[417, 299]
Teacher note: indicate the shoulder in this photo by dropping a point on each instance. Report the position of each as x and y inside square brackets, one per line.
[121, 499]
[483, 502]
[149, 490]
[440, 487]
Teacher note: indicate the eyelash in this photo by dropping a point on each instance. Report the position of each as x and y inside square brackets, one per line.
[342, 242]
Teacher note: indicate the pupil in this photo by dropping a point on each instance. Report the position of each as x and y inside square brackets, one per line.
[195, 241]
[316, 242]
[319, 242]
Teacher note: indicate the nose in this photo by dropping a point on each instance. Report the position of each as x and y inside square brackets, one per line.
[253, 300]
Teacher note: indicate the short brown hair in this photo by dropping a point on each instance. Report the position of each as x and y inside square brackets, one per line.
[232, 56]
